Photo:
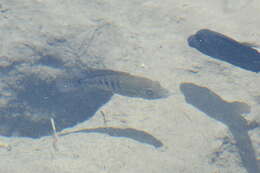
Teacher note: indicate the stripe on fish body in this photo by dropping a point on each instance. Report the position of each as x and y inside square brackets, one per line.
[117, 82]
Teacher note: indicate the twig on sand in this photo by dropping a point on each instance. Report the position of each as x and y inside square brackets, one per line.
[54, 135]
[104, 117]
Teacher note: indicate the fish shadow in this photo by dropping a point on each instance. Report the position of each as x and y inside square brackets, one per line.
[134, 134]
[229, 113]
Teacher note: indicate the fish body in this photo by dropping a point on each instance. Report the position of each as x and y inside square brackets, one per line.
[119, 83]
[219, 46]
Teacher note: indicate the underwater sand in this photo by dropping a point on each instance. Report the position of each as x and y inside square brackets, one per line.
[147, 38]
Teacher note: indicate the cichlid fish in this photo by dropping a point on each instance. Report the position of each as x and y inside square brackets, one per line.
[116, 82]
[219, 46]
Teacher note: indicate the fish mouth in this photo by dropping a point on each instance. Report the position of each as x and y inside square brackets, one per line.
[191, 40]
[164, 93]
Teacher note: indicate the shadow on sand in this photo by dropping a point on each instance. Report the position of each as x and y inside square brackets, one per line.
[134, 134]
[229, 113]
[37, 101]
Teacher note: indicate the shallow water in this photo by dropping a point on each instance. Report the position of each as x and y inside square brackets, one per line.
[208, 122]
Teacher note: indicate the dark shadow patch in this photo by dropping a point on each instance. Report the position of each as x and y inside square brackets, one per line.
[51, 61]
[221, 47]
[137, 135]
[6, 66]
[30, 96]
[229, 113]
[37, 101]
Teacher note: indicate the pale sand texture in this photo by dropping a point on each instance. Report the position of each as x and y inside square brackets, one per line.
[150, 41]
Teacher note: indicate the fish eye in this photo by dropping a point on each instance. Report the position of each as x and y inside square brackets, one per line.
[149, 92]
[200, 40]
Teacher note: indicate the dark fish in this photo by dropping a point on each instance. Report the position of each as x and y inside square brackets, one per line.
[116, 82]
[219, 46]
[229, 114]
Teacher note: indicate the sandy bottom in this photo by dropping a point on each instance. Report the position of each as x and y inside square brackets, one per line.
[145, 38]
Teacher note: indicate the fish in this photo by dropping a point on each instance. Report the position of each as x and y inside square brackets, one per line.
[117, 82]
[228, 113]
[224, 48]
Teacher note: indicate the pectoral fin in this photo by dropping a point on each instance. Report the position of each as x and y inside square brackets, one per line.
[251, 44]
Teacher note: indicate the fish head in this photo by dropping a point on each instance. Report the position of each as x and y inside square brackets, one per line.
[212, 43]
[201, 38]
[145, 88]
[155, 91]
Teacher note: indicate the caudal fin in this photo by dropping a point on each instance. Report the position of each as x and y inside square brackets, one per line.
[241, 108]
